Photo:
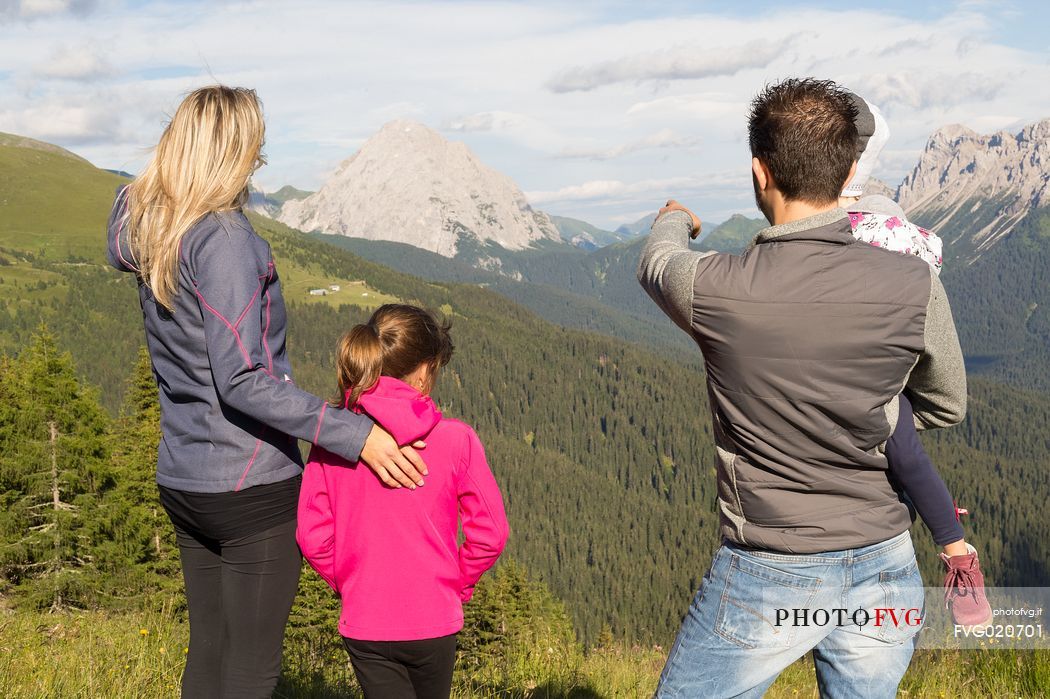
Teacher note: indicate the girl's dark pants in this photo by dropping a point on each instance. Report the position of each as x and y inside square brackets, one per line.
[404, 669]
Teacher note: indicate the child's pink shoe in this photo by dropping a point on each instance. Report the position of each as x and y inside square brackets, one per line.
[964, 590]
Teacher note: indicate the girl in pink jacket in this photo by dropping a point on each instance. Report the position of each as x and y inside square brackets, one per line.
[367, 540]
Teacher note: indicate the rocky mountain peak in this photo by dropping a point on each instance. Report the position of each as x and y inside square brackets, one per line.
[410, 184]
[973, 188]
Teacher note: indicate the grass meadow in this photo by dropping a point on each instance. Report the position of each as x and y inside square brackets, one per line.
[132, 656]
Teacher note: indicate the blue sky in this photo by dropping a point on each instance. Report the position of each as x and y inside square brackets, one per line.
[599, 110]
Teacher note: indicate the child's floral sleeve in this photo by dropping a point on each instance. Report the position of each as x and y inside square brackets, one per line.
[897, 234]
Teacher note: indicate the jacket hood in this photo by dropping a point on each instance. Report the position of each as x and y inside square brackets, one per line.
[119, 252]
[873, 133]
[400, 409]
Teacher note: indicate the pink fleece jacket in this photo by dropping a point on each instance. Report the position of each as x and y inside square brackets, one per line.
[391, 554]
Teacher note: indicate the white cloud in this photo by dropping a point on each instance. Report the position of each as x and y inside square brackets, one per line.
[520, 128]
[486, 121]
[664, 139]
[67, 124]
[74, 63]
[685, 62]
[107, 120]
[626, 191]
[35, 9]
[696, 106]
[397, 110]
[921, 89]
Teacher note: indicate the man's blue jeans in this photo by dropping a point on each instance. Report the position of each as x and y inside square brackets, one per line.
[757, 612]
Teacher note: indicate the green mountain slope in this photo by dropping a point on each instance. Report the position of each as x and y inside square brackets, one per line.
[1001, 304]
[578, 288]
[288, 193]
[1001, 299]
[50, 200]
[271, 203]
[583, 311]
[637, 228]
[603, 447]
[733, 235]
[608, 274]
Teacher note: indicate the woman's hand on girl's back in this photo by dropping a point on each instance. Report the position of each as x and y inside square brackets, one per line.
[394, 465]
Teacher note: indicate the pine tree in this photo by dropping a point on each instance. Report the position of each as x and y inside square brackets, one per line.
[509, 615]
[53, 461]
[135, 542]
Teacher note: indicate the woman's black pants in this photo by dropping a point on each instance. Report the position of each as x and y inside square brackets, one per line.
[239, 592]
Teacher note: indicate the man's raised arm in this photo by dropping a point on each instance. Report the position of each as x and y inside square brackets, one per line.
[667, 266]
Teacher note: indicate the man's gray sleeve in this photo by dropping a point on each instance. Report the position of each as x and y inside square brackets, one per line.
[937, 385]
[667, 267]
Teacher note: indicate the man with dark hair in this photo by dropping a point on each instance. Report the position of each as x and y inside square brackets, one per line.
[808, 339]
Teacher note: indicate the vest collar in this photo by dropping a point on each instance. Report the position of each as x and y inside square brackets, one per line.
[830, 226]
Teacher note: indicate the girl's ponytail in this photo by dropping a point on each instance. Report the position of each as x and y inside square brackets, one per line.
[396, 340]
[360, 361]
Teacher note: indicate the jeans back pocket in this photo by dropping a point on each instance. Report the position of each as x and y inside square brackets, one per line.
[904, 601]
[759, 602]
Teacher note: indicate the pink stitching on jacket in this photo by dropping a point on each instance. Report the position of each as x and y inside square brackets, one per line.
[317, 433]
[250, 303]
[266, 331]
[258, 443]
[236, 335]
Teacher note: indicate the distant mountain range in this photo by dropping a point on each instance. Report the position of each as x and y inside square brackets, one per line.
[409, 184]
[269, 204]
[583, 235]
[573, 287]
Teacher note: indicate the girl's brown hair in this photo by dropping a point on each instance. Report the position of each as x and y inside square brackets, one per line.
[394, 342]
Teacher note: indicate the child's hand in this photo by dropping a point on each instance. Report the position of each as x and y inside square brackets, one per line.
[672, 205]
[396, 466]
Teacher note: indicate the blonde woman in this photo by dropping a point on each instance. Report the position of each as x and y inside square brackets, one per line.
[229, 467]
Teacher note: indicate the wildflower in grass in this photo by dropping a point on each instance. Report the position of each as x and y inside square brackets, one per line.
[162, 651]
[144, 632]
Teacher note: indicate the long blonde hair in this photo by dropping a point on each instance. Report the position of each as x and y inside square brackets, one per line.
[203, 161]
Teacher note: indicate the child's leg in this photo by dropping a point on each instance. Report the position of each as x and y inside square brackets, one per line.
[430, 664]
[378, 672]
[414, 669]
[911, 467]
